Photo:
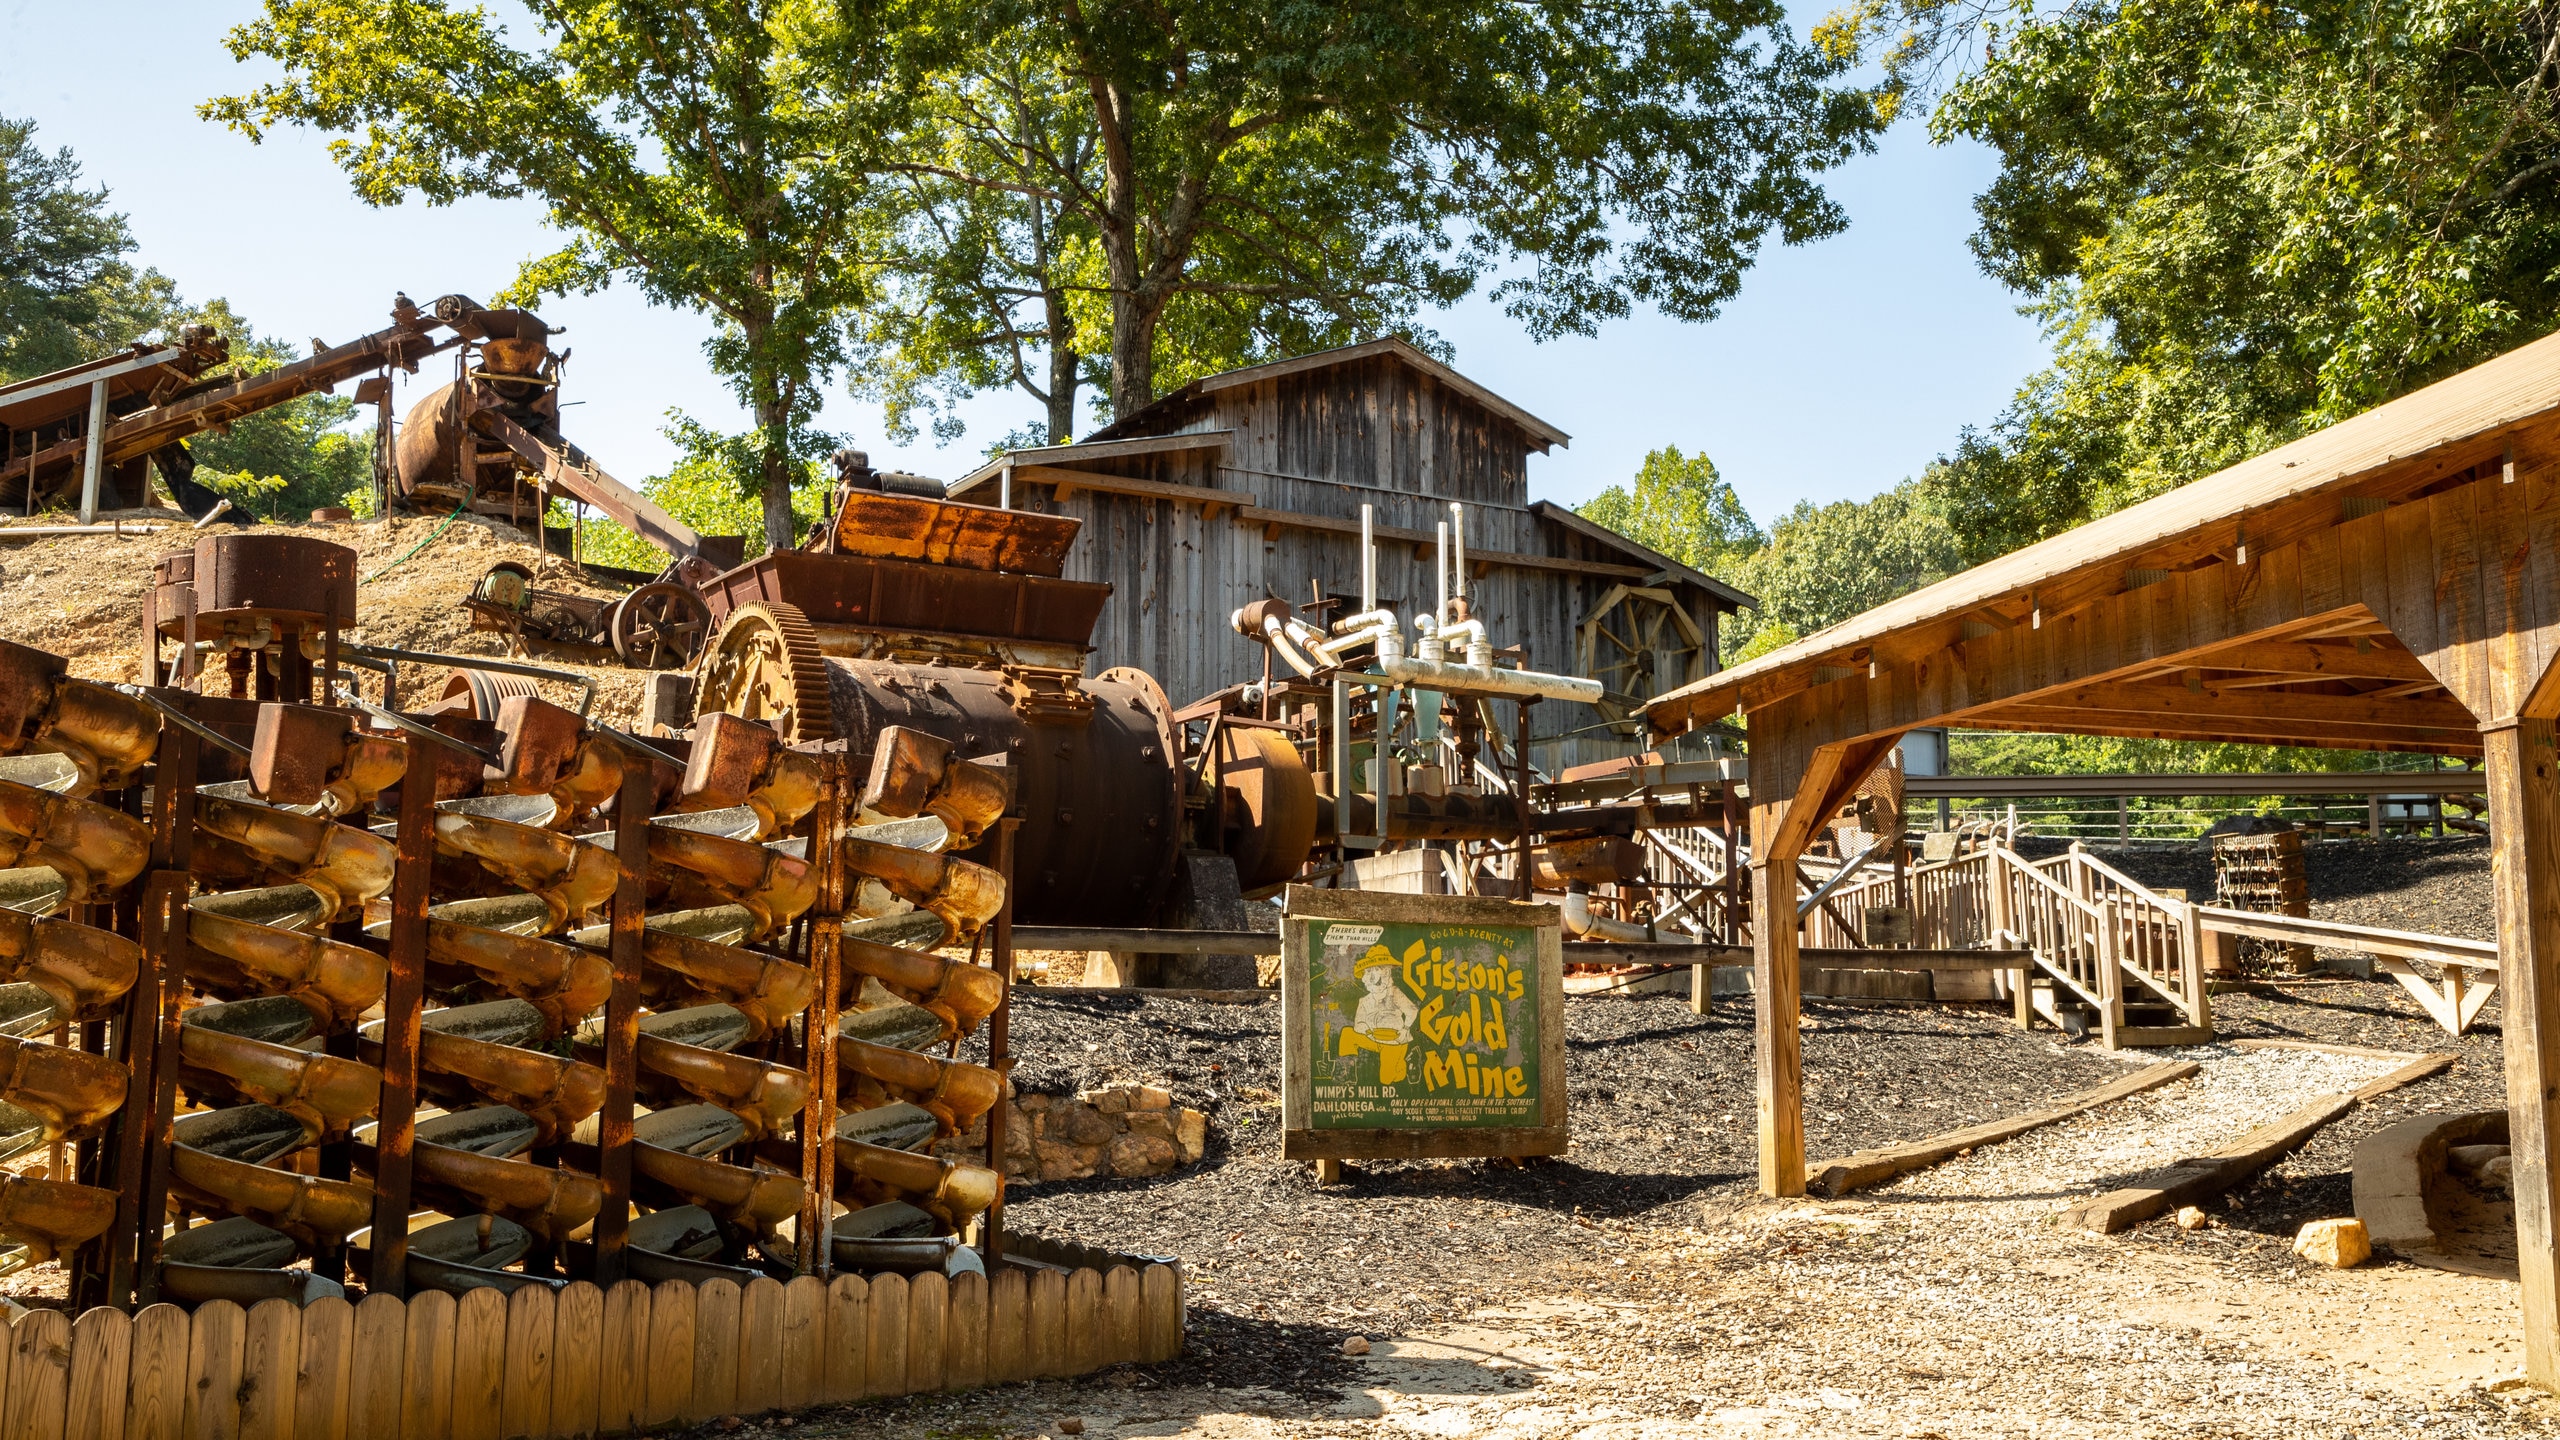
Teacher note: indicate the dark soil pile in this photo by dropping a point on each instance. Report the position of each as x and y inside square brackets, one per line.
[1663, 1122]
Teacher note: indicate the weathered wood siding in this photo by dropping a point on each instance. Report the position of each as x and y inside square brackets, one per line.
[1323, 443]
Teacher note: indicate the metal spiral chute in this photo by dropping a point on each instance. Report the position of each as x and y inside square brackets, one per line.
[220, 918]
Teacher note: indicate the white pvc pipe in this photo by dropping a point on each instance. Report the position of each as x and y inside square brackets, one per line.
[1440, 571]
[1368, 564]
[1486, 680]
[1458, 550]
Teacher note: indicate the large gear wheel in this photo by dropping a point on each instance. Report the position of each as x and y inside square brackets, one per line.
[766, 666]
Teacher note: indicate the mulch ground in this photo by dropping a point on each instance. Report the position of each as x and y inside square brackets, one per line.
[1663, 1115]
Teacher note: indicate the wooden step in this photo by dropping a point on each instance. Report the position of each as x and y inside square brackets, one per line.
[2135, 1037]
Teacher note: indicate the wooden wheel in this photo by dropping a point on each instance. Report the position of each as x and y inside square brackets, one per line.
[766, 667]
[659, 626]
[1639, 644]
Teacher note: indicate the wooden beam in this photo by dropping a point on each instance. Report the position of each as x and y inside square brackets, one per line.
[2333, 660]
[2058, 721]
[1272, 520]
[1072, 455]
[1068, 481]
[2217, 705]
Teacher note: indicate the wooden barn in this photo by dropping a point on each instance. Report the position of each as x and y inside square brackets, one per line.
[1249, 484]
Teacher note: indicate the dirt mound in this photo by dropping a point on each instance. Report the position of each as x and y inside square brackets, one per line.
[80, 596]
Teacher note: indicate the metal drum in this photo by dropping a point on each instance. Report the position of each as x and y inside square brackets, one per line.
[1100, 792]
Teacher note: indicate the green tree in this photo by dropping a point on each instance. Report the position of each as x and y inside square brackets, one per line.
[288, 460]
[1264, 177]
[67, 293]
[2240, 223]
[715, 487]
[1682, 507]
[715, 154]
[1825, 563]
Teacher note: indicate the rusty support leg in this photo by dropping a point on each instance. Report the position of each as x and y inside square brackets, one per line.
[622, 1022]
[1000, 1043]
[403, 998]
[818, 1023]
[1520, 806]
[151, 1029]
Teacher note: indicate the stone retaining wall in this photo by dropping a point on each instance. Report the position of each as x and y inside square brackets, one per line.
[1128, 1130]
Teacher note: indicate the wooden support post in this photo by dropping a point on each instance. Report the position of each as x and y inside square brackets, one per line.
[2524, 829]
[404, 996]
[1777, 1000]
[622, 1023]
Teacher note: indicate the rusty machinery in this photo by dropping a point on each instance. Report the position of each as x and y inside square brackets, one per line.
[1406, 747]
[264, 937]
[490, 441]
[907, 611]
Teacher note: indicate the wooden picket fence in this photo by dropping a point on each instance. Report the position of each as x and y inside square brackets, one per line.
[581, 1361]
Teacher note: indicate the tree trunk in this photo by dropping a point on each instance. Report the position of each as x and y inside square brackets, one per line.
[773, 427]
[1063, 361]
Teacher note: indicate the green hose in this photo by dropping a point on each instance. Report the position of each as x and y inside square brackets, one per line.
[414, 549]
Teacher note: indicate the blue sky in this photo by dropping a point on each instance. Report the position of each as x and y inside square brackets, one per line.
[1842, 368]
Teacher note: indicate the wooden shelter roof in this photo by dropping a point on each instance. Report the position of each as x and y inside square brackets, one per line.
[2337, 675]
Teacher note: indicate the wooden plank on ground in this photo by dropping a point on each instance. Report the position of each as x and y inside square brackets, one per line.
[377, 1367]
[270, 1359]
[39, 1391]
[101, 1359]
[156, 1404]
[328, 1358]
[966, 1326]
[885, 1371]
[426, 1394]
[759, 1386]
[2208, 1175]
[213, 1371]
[715, 1350]
[669, 1376]
[2323, 1047]
[804, 1342]
[848, 1339]
[479, 1364]
[1874, 1167]
[579, 1359]
[533, 1324]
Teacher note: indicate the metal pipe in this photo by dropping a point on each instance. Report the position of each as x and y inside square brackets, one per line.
[1440, 568]
[1457, 550]
[1486, 680]
[424, 732]
[1368, 561]
[586, 684]
[93, 455]
[1579, 921]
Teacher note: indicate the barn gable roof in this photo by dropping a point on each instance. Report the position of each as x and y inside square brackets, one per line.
[1149, 419]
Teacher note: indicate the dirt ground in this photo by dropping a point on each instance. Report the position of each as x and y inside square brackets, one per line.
[81, 596]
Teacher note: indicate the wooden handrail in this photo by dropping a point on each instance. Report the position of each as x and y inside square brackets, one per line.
[2028, 868]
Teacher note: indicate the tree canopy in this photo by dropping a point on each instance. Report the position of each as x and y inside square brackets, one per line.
[716, 155]
[67, 292]
[2240, 223]
[1178, 190]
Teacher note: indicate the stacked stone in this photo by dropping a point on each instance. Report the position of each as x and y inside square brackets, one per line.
[1126, 1130]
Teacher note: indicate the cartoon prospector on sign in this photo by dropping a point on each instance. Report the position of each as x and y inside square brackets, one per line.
[1384, 1020]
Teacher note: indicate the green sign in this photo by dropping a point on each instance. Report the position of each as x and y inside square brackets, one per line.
[1422, 1026]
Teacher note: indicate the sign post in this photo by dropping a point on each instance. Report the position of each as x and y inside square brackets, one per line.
[1420, 1027]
